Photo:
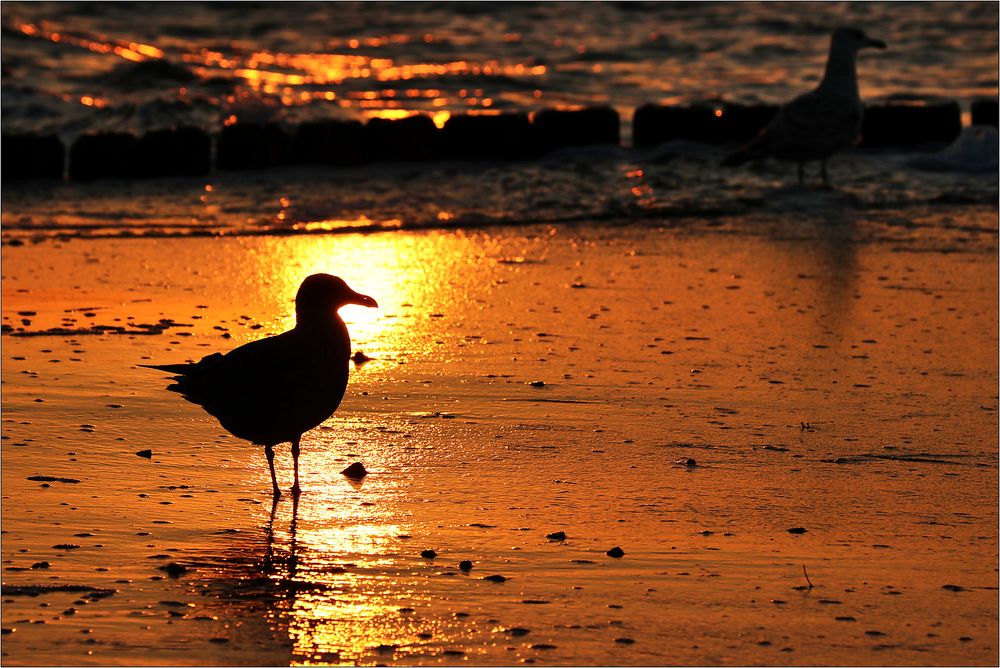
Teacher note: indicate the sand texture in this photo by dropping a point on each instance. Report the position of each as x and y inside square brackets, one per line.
[689, 396]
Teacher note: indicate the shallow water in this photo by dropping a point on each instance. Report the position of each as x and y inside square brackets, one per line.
[877, 195]
[73, 67]
[821, 376]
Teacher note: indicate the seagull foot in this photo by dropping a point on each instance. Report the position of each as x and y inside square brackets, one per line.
[296, 491]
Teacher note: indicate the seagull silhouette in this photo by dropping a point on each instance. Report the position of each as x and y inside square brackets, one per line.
[274, 390]
[816, 125]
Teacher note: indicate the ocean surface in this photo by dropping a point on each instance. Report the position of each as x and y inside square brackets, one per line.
[78, 66]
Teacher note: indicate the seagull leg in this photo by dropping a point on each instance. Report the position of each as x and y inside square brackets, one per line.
[269, 452]
[295, 465]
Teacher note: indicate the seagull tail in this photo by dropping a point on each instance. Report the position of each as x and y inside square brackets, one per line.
[169, 368]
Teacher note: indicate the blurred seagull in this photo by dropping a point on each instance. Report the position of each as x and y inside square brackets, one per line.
[274, 390]
[816, 125]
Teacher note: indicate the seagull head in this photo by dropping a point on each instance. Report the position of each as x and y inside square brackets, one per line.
[322, 294]
[854, 39]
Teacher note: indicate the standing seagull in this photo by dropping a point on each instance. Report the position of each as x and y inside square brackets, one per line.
[274, 390]
[816, 125]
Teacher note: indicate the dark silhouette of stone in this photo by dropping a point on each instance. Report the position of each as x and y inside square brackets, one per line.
[186, 151]
[30, 156]
[329, 143]
[797, 530]
[407, 139]
[465, 565]
[708, 123]
[896, 124]
[428, 554]
[103, 156]
[174, 569]
[252, 146]
[557, 535]
[985, 112]
[487, 137]
[148, 454]
[557, 128]
[356, 470]
[616, 552]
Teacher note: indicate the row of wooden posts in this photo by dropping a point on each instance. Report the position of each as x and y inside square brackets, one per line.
[189, 151]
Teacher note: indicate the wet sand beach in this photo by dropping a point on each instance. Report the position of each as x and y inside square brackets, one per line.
[789, 430]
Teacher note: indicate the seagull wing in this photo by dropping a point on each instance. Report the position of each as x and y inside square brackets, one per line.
[810, 127]
[814, 125]
[271, 390]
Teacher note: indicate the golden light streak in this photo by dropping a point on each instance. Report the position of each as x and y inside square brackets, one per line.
[440, 118]
[133, 51]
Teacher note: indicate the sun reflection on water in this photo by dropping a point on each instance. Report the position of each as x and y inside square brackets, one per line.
[412, 293]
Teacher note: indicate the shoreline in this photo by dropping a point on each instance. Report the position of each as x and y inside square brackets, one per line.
[794, 372]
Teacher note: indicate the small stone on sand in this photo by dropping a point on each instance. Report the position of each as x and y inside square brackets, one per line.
[465, 565]
[797, 530]
[148, 454]
[428, 554]
[616, 552]
[356, 470]
[174, 569]
[556, 535]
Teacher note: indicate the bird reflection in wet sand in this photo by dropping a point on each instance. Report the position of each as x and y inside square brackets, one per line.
[274, 390]
[816, 125]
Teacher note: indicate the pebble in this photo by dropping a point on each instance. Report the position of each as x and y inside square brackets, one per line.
[556, 535]
[174, 569]
[798, 530]
[625, 641]
[495, 578]
[951, 587]
[465, 565]
[428, 554]
[616, 552]
[356, 470]
[148, 454]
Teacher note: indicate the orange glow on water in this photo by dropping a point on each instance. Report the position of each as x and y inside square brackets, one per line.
[390, 114]
[128, 50]
[440, 118]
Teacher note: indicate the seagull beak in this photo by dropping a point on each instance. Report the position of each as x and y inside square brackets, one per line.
[362, 300]
[876, 43]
